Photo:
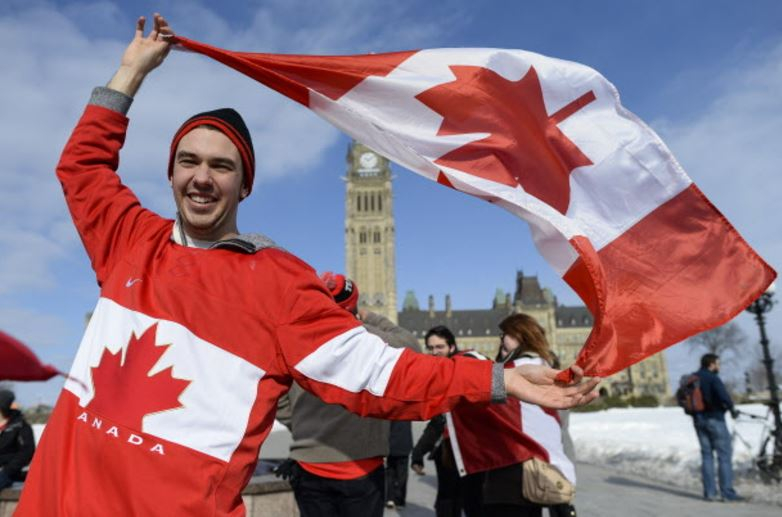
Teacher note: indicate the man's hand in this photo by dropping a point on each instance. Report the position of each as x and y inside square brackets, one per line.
[418, 469]
[143, 55]
[537, 384]
[285, 469]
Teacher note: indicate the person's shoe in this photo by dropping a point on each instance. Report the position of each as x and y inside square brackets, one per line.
[734, 499]
[712, 498]
[390, 504]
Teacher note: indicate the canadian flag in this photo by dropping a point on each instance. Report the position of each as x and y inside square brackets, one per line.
[609, 206]
[19, 363]
[485, 437]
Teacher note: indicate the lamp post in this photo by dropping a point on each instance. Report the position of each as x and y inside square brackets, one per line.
[759, 308]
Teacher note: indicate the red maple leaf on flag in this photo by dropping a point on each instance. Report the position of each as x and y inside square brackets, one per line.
[524, 147]
[124, 390]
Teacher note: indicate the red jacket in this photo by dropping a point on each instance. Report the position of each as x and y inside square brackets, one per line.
[187, 352]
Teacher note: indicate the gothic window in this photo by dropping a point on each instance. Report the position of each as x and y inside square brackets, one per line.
[358, 203]
[362, 237]
[372, 202]
[366, 202]
[377, 236]
[380, 203]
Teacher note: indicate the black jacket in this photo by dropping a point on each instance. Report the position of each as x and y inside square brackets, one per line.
[430, 441]
[400, 441]
[17, 445]
[715, 397]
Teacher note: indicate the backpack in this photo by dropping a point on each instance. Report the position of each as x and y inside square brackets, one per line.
[689, 395]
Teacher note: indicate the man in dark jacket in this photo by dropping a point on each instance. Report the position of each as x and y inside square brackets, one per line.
[400, 443]
[454, 493]
[17, 444]
[713, 433]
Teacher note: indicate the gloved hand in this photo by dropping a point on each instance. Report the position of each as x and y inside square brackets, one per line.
[734, 413]
[285, 469]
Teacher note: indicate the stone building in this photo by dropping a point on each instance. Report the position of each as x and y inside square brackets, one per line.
[369, 230]
[369, 252]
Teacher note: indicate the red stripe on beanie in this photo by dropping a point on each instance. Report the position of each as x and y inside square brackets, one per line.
[245, 151]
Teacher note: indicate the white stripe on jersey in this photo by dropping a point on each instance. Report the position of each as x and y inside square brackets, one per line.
[355, 361]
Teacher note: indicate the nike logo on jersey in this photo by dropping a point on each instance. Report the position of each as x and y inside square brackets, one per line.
[132, 281]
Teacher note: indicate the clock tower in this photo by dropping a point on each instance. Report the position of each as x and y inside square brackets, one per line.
[369, 230]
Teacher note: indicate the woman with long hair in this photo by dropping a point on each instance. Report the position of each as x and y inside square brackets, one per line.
[521, 337]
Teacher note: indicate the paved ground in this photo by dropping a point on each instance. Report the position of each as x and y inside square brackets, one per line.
[605, 493]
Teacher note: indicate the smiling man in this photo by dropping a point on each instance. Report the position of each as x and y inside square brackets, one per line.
[211, 169]
[199, 329]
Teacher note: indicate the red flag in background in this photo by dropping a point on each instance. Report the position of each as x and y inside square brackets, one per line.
[609, 207]
[19, 363]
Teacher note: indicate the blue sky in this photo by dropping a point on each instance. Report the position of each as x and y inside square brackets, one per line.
[706, 74]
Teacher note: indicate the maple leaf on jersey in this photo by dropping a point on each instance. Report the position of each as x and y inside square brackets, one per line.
[524, 147]
[124, 390]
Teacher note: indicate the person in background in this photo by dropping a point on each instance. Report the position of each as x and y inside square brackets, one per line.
[338, 469]
[400, 445]
[712, 431]
[521, 339]
[454, 494]
[17, 443]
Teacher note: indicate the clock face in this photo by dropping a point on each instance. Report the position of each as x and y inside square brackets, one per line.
[368, 160]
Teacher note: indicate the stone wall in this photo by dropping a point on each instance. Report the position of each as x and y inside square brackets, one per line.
[265, 496]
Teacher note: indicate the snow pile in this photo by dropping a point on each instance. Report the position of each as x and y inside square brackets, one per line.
[661, 444]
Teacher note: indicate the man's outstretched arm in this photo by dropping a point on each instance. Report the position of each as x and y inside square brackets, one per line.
[537, 384]
[329, 354]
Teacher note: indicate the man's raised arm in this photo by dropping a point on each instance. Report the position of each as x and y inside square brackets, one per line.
[107, 215]
[143, 55]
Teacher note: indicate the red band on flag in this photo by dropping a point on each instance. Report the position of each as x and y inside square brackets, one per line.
[294, 75]
[681, 270]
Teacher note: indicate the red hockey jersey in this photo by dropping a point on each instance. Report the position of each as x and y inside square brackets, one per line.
[177, 376]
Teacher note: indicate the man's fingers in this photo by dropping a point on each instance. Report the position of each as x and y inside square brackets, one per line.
[140, 26]
[580, 394]
[585, 386]
[163, 27]
[155, 27]
[578, 373]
